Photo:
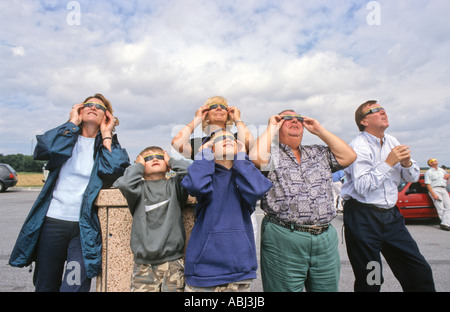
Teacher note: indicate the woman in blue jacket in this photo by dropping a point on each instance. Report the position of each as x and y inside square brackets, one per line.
[62, 227]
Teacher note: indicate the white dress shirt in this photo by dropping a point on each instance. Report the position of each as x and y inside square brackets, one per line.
[370, 179]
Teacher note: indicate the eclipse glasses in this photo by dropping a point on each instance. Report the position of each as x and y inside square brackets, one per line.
[373, 110]
[215, 105]
[152, 156]
[97, 105]
[224, 137]
[290, 117]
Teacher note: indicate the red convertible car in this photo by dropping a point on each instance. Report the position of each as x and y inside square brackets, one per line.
[414, 201]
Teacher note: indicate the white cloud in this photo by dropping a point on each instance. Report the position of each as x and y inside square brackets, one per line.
[159, 61]
[18, 51]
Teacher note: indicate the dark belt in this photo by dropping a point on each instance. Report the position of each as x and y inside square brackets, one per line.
[312, 229]
[371, 206]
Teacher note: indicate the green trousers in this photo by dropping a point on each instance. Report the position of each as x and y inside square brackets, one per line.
[293, 260]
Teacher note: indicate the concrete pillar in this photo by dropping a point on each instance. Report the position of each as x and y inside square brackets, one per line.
[115, 222]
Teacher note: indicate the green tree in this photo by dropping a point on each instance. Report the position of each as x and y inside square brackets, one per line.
[22, 163]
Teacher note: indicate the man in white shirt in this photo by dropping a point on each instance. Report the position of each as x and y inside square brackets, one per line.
[373, 224]
[436, 182]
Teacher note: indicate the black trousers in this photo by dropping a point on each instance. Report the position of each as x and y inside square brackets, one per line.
[59, 260]
[370, 231]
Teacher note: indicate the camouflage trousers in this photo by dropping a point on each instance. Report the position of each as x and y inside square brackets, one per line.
[241, 286]
[163, 277]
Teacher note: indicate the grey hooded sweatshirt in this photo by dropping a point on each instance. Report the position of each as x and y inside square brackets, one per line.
[157, 233]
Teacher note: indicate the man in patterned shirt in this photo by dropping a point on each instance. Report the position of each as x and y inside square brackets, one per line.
[299, 246]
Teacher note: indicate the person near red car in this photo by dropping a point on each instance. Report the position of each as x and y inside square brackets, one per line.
[373, 223]
[436, 182]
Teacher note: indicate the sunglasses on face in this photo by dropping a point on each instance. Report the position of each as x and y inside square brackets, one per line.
[373, 110]
[97, 106]
[152, 156]
[224, 137]
[212, 134]
[290, 117]
[215, 105]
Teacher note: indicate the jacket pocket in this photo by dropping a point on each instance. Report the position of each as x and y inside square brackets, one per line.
[226, 253]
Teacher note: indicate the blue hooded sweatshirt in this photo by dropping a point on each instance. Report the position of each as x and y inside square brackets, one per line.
[221, 248]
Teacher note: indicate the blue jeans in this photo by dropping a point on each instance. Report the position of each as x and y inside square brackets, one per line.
[370, 232]
[59, 243]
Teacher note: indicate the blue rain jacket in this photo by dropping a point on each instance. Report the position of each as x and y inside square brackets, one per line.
[56, 147]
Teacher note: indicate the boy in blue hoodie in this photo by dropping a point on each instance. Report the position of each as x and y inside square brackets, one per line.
[221, 252]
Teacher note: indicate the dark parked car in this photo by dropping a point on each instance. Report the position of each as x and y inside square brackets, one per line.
[414, 201]
[8, 177]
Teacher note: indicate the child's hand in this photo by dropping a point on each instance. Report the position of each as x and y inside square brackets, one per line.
[208, 144]
[166, 159]
[240, 146]
[140, 160]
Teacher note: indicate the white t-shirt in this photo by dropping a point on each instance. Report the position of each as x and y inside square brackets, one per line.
[72, 182]
[435, 177]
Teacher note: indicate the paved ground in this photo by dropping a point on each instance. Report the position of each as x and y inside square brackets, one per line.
[15, 204]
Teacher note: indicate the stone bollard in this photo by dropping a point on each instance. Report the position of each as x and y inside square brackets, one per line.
[115, 222]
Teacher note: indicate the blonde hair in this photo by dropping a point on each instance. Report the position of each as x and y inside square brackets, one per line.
[219, 100]
[151, 148]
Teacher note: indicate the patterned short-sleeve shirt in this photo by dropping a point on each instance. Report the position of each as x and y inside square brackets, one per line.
[301, 193]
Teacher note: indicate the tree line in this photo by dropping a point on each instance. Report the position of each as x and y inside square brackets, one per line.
[22, 163]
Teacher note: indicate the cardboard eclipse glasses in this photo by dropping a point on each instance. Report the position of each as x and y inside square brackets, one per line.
[373, 110]
[152, 156]
[97, 105]
[223, 137]
[290, 117]
[215, 105]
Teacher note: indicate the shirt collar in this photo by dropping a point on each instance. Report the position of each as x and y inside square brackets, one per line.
[373, 138]
[288, 149]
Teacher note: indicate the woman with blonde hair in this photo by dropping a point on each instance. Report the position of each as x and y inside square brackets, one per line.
[215, 114]
[62, 227]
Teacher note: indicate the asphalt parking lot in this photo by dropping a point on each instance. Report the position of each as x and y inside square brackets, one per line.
[434, 244]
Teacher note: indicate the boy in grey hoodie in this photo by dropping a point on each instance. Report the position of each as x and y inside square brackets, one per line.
[157, 235]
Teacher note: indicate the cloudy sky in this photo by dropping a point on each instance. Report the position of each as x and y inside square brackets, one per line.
[158, 61]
